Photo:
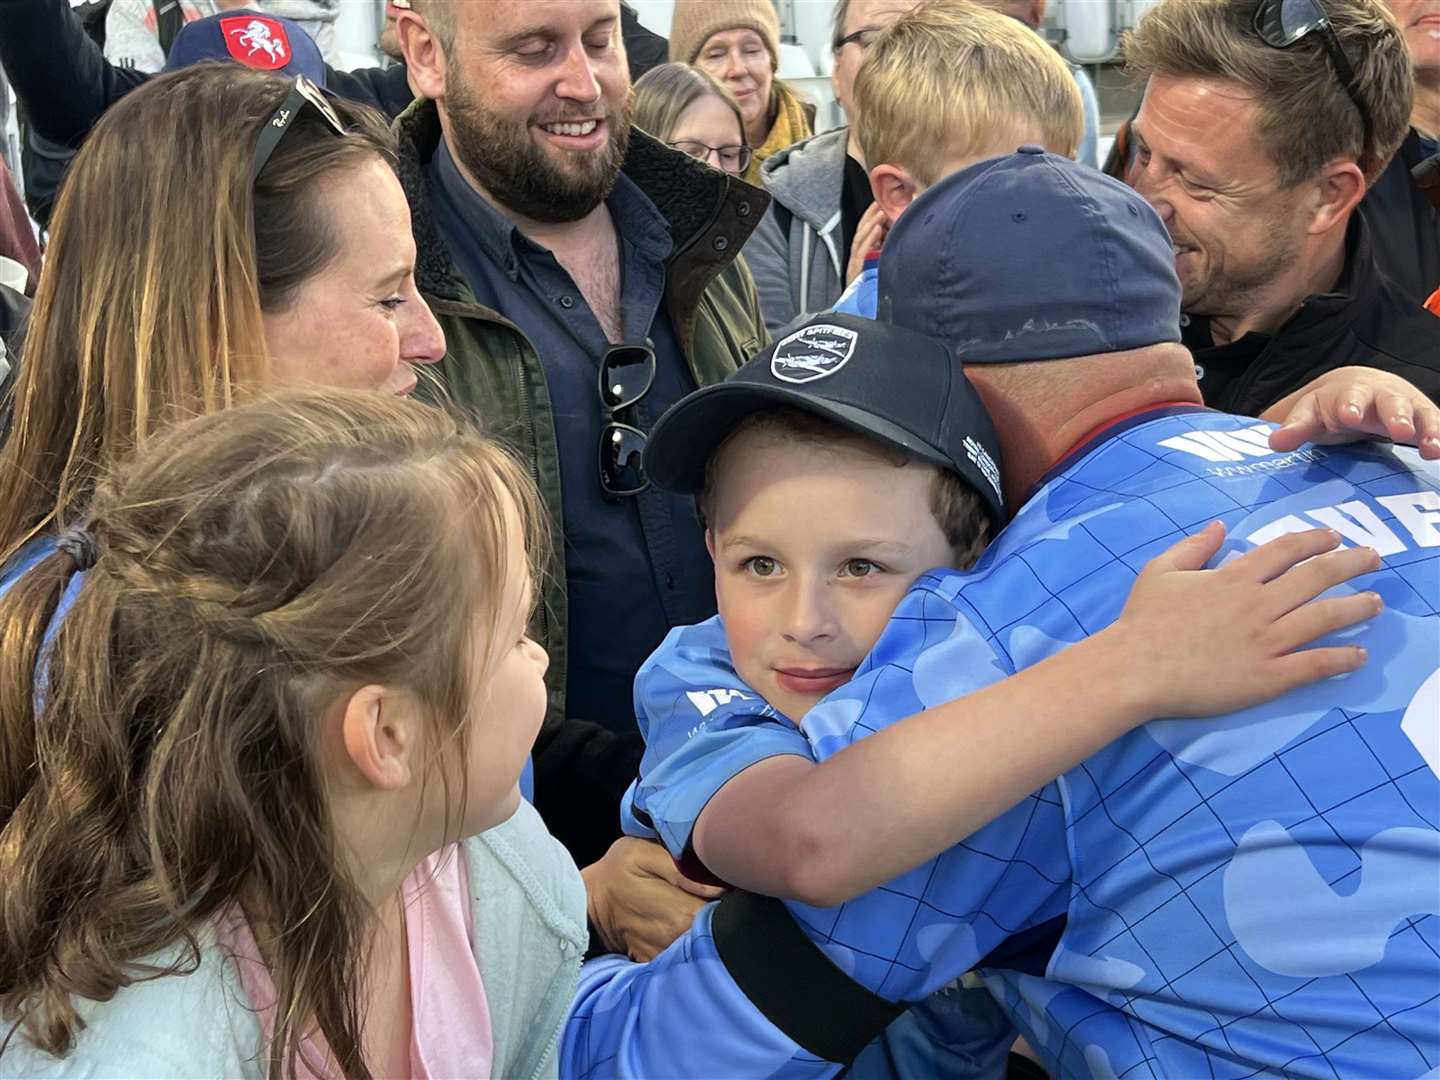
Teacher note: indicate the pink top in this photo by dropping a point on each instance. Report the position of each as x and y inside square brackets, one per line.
[450, 1035]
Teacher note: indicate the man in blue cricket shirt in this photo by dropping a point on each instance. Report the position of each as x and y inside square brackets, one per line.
[1255, 895]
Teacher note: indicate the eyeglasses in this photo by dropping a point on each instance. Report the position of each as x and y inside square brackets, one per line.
[732, 158]
[864, 38]
[1282, 23]
[626, 374]
[302, 92]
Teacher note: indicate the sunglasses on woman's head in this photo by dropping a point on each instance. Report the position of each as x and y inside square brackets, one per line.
[303, 93]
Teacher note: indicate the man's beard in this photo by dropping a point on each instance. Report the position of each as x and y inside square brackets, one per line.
[1229, 289]
[503, 157]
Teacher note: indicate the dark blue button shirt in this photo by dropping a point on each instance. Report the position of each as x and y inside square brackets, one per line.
[638, 566]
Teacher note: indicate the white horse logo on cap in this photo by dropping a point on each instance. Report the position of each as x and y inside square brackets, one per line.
[812, 353]
[255, 36]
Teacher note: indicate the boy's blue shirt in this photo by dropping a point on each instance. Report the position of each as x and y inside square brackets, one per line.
[1252, 894]
[862, 296]
[699, 736]
[703, 725]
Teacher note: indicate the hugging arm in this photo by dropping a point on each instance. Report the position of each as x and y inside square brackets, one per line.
[823, 833]
[1349, 404]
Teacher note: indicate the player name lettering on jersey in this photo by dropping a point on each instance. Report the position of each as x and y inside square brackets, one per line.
[1417, 514]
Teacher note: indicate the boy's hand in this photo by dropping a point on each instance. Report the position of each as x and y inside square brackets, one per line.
[869, 236]
[1353, 403]
[637, 899]
[1206, 642]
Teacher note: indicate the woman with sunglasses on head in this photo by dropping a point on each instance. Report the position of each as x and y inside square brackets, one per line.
[687, 109]
[246, 257]
[194, 263]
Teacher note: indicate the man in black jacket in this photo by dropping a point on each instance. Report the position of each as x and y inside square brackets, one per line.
[1404, 217]
[1256, 157]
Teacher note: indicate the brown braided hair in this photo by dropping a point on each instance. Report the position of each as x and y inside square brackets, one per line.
[250, 566]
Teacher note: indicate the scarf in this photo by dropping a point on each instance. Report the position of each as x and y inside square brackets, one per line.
[791, 124]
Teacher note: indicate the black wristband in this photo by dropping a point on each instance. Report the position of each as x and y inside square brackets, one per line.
[793, 983]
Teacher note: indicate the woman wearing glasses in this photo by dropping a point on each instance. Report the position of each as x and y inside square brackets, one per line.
[187, 272]
[738, 42]
[687, 109]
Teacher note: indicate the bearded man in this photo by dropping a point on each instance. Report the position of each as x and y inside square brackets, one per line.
[586, 278]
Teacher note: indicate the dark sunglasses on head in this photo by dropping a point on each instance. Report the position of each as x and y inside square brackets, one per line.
[303, 92]
[1282, 23]
[626, 374]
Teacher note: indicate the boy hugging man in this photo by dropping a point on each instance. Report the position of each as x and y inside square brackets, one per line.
[948, 84]
[826, 503]
[827, 486]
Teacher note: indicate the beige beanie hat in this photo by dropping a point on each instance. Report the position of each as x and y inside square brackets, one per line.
[695, 20]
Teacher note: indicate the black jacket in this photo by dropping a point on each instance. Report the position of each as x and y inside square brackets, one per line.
[644, 48]
[1403, 224]
[14, 307]
[1366, 320]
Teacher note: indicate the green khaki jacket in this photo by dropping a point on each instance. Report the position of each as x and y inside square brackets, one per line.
[492, 373]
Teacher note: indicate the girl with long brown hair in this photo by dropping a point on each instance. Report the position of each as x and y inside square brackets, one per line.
[190, 268]
[239, 802]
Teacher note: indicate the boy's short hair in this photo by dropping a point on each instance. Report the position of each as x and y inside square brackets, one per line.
[960, 513]
[951, 80]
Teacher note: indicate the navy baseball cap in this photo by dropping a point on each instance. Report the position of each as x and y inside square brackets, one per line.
[267, 42]
[1031, 256]
[893, 385]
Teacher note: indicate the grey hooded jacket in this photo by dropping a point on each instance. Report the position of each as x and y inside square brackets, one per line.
[794, 254]
[529, 935]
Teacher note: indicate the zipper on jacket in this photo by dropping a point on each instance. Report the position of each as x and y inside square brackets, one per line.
[558, 1030]
[802, 305]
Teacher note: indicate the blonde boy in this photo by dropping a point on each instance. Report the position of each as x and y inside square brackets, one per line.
[949, 84]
